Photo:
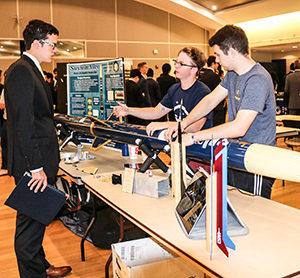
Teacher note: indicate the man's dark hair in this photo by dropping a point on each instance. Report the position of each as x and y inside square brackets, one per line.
[297, 64]
[150, 72]
[134, 73]
[230, 36]
[140, 65]
[49, 75]
[196, 55]
[37, 30]
[166, 68]
[211, 60]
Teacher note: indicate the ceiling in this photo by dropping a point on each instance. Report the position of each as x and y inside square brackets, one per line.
[266, 22]
[219, 5]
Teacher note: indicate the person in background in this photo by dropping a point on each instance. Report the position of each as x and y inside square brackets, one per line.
[55, 76]
[209, 77]
[181, 97]
[1, 85]
[153, 88]
[50, 81]
[135, 97]
[292, 89]
[165, 81]
[251, 105]
[286, 95]
[32, 141]
[143, 68]
[275, 80]
[292, 68]
[1, 110]
[3, 170]
[220, 72]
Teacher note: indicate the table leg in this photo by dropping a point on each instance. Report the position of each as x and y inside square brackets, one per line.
[121, 237]
[88, 230]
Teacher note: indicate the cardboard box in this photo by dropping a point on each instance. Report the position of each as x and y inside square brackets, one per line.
[154, 186]
[144, 258]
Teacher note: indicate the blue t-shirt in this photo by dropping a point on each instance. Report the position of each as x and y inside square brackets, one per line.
[190, 97]
[254, 91]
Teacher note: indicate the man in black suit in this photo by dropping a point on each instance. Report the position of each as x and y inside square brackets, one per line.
[210, 78]
[165, 81]
[32, 141]
[153, 88]
[1, 110]
[135, 97]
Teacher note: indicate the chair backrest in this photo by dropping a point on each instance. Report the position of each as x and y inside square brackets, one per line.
[291, 123]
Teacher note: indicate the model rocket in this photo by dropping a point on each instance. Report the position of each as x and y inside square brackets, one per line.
[255, 158]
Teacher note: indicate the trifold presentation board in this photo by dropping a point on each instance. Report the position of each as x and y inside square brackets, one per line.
[93, 88]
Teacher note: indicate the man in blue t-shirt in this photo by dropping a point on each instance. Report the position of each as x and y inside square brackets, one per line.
[189, 97]
[183, 96]
[251, 105]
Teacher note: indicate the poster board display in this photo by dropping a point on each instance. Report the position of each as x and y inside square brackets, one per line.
[93, 88]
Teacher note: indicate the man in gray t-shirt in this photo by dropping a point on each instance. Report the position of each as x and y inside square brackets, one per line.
[253, 91]
[251, 105]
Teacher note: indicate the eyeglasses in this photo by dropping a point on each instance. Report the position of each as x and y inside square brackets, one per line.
[180, 64]
[52, 44]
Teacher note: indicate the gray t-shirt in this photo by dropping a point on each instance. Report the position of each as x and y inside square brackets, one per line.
[254, 91]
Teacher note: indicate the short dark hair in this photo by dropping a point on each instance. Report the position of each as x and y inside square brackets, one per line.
[211, 60]
[134, 73]
[196, 55]
[297, 64]
[150, 72]
[140, 65]
[37, 30]
[230, 36]
[49, 75]
[166, 68]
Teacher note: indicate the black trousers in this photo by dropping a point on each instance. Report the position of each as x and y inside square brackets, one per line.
[255, 184]
[29, 251]
[4, 145]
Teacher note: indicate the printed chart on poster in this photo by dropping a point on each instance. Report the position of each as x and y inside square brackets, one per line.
[95, 87]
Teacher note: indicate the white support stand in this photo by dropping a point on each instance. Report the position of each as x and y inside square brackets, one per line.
[177, 175]
[211, 212]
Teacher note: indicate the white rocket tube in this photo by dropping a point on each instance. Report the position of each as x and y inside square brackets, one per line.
[273, 162]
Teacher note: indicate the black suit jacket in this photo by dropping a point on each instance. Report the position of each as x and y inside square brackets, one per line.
[209, 78]
[135, 97]
[212, 80]
[32, 140]
[154, 91]
[165, 81]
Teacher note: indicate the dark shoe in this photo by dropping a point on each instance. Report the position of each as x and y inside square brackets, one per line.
[60, 271]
